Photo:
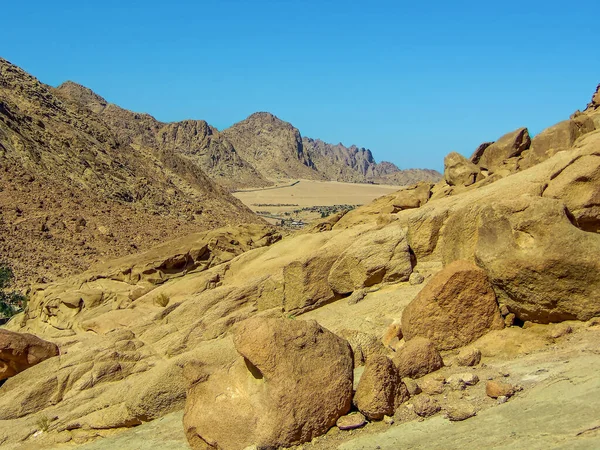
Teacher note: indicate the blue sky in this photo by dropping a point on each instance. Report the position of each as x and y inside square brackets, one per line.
[412, 81]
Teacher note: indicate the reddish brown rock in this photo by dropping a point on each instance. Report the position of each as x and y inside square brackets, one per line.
[469, 357]
[495, 389]
[425, 406]
[417, 358]
[380, 390]
[19, 351]
[456, 307]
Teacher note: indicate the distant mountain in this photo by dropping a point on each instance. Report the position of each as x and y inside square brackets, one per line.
[82, 180]
[253, 153]
[357, 165]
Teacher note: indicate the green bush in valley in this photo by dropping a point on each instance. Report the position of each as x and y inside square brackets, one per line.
[11, 302]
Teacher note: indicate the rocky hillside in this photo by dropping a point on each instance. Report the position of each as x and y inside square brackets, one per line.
[357, 165]
[72, 191]
[475, 300]
[196, 140]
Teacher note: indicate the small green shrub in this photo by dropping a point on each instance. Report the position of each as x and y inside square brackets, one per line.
[11, 302]
[162, 299]
[43, 423]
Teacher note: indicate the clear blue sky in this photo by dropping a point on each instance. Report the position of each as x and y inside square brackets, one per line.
[412, 81]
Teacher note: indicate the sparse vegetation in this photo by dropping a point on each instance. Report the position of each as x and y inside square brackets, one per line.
[162, 299]
[43, 423]
[11, 302]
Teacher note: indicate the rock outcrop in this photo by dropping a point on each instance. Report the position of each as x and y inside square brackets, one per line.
[511, 145]
[456, 307]
[552, 140]
[376, 257]
[20, 351]
[459, 171]
[291, 382]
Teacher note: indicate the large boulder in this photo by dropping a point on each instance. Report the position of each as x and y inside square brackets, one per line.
[375, 257]
[417, 358]
[291, 381]
[543, 268]
[380, 389]
[552, 140]
[20, 351]
[508, 146]
[456, 307]
[459, 171]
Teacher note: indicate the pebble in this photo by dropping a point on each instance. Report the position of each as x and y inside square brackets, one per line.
[351, 421]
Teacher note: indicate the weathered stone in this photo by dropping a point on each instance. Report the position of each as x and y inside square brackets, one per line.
[459, 171]
[380, 390]
[416, 278]
[351, 421]
[469, 357]
[19, 351]
[417, 358]
[291, 382]
[456, 307]
[425, 406]
[364, 345]
[495, 389]
[559, 137]
[460, 410]
[508, 146]
[375, 257]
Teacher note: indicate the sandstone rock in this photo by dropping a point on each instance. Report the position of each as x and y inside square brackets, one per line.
[542, 267]
[19, 351]
[417, 358]
[578, 187]
[416, 278]
[356, 296]
[292, 382]
[495, 389]
[432, 386]
[425, 406]
[412, 386]
[469, 357]
[559, 137]
[459, 381]
[460, 411]
[392, 335]
[410, 197]
[375, 257]
[380, 390]
[508, 146]
[456, 307]
[459, 171]
[351, 421]
[478, 153]
[364, 346]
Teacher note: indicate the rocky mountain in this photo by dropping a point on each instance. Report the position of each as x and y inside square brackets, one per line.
[273, 146]
[357, 165]
[250, 154]
[194, 139]
[74, 191]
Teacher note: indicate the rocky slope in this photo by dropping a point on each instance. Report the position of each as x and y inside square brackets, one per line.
[72, 191]
[195, 139]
